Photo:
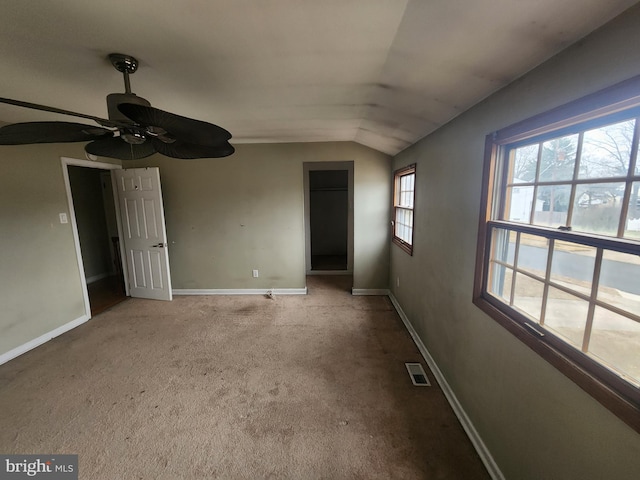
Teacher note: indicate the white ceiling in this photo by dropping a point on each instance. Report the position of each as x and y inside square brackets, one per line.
[383, 73]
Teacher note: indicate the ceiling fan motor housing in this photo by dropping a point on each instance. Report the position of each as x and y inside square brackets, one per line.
[115, 99]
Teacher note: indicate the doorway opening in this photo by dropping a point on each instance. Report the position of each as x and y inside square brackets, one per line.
[328, 211]
[329, 218]
[94, 219]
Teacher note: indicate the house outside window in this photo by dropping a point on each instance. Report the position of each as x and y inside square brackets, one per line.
[558, 260]
[403, 204]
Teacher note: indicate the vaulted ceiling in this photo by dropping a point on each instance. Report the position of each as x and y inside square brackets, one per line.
[383, 73]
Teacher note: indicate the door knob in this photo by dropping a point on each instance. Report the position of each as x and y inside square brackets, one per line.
[159, 245]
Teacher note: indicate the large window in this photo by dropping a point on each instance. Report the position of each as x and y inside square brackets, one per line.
[403, 198]
[559, 248]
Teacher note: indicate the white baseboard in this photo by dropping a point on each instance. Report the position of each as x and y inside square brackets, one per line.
[100, 276]
[370, 291]
[241, 291]
[36, 342]
[472, 433]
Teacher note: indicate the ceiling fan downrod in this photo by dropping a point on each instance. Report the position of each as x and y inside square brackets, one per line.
[125, 64]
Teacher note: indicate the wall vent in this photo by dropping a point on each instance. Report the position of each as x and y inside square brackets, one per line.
[418, 377]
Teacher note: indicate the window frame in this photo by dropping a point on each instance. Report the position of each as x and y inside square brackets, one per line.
[620, 397]
[397, 176]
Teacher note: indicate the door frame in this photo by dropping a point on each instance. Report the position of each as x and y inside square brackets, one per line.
[66, 163]
[314, 166]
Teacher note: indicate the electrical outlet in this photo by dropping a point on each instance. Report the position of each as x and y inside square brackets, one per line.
[397, 281]
[255, 274]
[63, 218]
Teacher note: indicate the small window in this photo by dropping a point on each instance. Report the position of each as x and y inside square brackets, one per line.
[403, 198]
[558, 260]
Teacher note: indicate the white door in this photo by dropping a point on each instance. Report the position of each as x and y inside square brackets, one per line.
[144, 233]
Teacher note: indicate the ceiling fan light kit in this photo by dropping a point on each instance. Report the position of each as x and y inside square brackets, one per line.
[133, 130]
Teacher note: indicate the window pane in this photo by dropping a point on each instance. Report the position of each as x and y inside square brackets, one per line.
[520, 201]
[552, 205]
[632, 229]
[606, 151]
[503, 245]
[500, 281]
[406, 193]
[407, 182]
[597, 208]
[528, 295]
[619, 283]
[616, 340]
[572, 266]
[566, 315]
[558, 159]
[532, 254]
[525, 161]
[404, 224]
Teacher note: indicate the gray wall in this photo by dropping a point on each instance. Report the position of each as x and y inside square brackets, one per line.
[536, 422]
[40, 287]
[226, 217]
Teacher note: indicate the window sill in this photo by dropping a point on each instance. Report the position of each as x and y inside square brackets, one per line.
[403, 245]
[624, 408]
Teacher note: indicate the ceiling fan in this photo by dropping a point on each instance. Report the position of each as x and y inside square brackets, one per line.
[133, 130]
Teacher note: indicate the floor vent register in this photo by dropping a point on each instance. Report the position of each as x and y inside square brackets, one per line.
[418, 377]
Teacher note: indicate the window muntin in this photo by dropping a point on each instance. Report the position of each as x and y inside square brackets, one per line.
[558, 260]
[404, 195]
[560, 286]
[566, 181]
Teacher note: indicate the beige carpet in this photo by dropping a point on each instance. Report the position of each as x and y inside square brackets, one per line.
[238, 387]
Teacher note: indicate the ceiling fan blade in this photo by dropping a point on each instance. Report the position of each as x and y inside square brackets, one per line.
[44, 108]
[184, 150]
[116, 147]
[188, 130]
[50, 132]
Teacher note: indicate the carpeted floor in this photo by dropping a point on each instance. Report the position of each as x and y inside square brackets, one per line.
[236, 387]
